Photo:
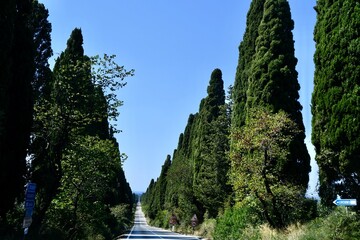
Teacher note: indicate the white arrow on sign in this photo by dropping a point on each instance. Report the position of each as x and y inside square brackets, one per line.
[345, 202]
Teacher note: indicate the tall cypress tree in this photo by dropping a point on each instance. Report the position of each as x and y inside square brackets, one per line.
[42, 39]
[336, 99]
[246, 53]
[273, 82]
[210, 162]
[17, 71]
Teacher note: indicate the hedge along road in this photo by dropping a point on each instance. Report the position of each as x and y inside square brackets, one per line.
[141, 230]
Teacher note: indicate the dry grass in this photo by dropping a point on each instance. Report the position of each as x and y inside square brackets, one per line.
[293, 232]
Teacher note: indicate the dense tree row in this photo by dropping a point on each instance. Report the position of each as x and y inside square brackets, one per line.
[336, 99]
[265, 159]
[55, 132]
[195, 181]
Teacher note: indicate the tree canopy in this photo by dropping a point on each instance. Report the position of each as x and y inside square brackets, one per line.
[335, 100]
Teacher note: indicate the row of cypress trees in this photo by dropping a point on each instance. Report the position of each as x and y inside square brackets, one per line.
[55, 132]
[249, 151]
[195, 180]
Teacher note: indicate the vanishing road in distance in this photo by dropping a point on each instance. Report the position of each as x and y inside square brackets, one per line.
[141, 230]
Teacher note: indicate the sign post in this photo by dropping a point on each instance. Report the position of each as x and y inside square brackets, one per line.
[173, 221]
[29, 206]
[194, 222]
[346, 203]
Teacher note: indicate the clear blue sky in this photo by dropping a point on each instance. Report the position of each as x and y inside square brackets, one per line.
[173, 47]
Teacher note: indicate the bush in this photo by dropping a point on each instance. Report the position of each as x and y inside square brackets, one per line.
[207, 228]
[236, 223]
[162, 219]
[339, 225]
[122, 213]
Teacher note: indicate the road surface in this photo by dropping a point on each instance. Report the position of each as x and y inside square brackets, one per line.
[141, 230]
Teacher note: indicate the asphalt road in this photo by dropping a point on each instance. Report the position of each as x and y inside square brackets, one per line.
[141, 230]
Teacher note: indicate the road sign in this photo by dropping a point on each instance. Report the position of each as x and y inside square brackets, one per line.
[29, 212]
[27, 222]
[30, 195]
[194, 221]
[29, 203]
[173, 220]
[345, 202]
[31, 187]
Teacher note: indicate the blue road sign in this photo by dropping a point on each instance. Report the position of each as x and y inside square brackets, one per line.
[345, 202]
[30, 196]
[29, 204]
[29, 212]
[31, 187]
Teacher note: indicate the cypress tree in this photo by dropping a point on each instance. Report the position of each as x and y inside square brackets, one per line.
[336, 99]
[273, 82]
[246, 53]
[60, 114]
[42, 29]
[17, 72]
[210, 162]
[162, 182]
[179, 192]
[70, 106]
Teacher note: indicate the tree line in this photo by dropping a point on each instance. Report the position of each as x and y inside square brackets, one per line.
[56, 130]
[242, 159]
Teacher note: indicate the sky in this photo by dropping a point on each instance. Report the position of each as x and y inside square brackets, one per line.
[173, 47]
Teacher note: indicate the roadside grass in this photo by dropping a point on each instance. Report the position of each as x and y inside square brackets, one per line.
[339, 224]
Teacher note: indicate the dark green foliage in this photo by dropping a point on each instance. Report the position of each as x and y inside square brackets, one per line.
[76, 162]
[41, 28]
[154, 198]
[243, 70]
[196, 181]
[211, 144]
[72, 156]
[179, 192]
[273, 82]
[58, 115]
[336, 99]
[16, 76]
[147, 200]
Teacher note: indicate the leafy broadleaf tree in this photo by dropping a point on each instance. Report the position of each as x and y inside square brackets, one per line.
[260, 154]
[335, 100]
[89, 165]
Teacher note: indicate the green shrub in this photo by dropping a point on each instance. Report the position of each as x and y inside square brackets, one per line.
[235, 223]
[339, 225]
[162, 219]
[207, 228]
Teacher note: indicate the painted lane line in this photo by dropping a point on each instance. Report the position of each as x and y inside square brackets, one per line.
[132, 229]
[147, 227]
